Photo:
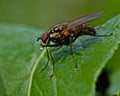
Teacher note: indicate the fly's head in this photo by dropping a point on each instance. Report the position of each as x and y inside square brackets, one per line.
[44, 39]
[53, 34]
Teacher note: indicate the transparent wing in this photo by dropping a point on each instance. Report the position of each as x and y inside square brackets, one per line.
[85, 19]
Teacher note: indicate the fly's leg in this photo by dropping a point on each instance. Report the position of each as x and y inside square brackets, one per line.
[51, 45]
[50, 57]
[104, 35]
[94, 34]
[47, 60]
[74, 38]
[71, 39]
[56, 48]
[53, 65]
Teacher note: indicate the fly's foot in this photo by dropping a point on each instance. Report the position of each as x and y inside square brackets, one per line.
[51, 76]
[77, 68]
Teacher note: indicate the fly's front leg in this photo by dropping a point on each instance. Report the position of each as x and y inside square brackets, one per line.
[56, 46]
[53, 65]
[50, 45]
[47, 60]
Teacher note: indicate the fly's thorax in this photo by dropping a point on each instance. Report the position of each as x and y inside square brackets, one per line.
[55, 32]
[58, 28]
[55, 35]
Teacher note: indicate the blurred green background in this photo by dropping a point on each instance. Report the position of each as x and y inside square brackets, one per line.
[45, 13]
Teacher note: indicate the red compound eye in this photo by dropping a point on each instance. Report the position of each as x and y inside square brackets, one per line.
[44, 37]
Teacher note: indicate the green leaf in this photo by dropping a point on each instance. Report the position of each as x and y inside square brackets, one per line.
[118, 94]
[21, 62]
[113, 67]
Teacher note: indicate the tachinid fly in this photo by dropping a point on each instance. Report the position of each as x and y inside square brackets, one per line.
[66, 33]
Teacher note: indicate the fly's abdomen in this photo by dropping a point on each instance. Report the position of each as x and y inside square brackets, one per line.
[82, 30]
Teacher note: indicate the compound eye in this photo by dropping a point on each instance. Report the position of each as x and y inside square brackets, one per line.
[44, 37]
